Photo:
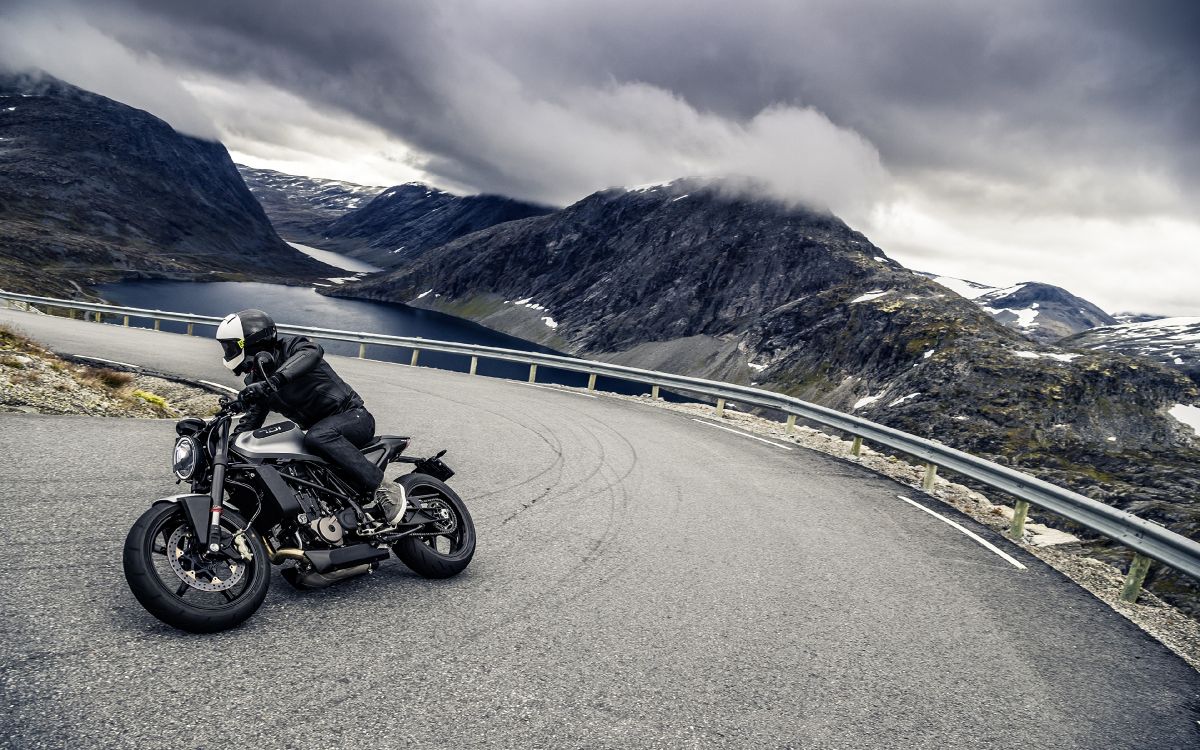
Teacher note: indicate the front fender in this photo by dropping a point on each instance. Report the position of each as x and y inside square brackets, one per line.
[196, 508]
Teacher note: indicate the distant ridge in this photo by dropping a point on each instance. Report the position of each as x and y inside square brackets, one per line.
[93, 190]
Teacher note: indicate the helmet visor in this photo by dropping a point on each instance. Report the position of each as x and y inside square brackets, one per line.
[232, 348]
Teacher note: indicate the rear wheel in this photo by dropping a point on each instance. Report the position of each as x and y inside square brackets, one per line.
[443, 548]
[172, 578]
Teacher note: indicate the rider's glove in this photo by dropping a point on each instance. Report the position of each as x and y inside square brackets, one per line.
[259, 391]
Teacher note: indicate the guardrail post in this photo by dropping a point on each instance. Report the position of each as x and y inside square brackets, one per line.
[125, 321]
[592, 382]
[930, 476]
[1016, 530]
[856, 446]
[474, 363]
[191, 329]
[532, 373]
[157, 324]
[720, 408]
[654, 391]
[413, 362]
[791, 424]
[362, 351]
[1138, 568]
[97, 317]
[71, 312]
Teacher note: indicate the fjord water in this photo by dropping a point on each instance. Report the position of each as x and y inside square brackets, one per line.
[304, 306]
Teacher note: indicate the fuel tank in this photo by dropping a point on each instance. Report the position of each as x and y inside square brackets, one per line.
[279, 440]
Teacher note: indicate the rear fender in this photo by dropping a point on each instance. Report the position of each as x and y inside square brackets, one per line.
[196, 509]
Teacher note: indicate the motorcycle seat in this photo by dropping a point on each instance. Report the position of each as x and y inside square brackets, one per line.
[384, 447]
[388, 441]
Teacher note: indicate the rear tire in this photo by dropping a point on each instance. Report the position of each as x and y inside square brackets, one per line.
[422, 554]
[142, 550]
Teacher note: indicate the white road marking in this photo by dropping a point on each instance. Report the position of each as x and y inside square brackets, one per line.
[743, 434]
[218, 385]
[966, 531]
[559, 390]
[109, 361]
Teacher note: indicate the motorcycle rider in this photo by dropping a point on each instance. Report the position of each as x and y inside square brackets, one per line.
[302, 387]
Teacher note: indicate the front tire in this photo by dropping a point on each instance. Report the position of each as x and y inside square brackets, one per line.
[437, 555]
[161, 572]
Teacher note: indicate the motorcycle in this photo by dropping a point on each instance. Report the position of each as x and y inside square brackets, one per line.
[201, 561]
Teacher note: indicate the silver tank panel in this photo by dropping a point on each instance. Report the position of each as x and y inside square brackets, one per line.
[279, 440]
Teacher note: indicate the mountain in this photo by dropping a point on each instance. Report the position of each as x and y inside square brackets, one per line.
[1173, 342]
[1132, 317]
[93, 190]
[1041, 312]
[692, 278]
[403, 222]
[300, 207]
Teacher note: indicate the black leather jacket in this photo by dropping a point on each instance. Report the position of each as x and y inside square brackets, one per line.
[308, 388]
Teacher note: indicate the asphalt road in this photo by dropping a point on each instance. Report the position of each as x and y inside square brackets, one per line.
[641, 581]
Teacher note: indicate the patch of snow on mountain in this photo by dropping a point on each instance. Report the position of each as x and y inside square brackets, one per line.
[928, 354]
[1189, 415]
[902, 399]
[1024, 354]
[865, 401]
[755, 367]
[424, 294]
[870, 296]
[963, 288]
[550, 322]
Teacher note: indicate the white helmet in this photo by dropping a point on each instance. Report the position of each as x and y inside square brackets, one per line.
[248, 331]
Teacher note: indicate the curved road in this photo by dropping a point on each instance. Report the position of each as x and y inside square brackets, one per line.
[641, 581]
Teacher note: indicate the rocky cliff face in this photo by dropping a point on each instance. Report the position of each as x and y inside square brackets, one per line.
[686, 277]
[91, 189]
[403, 222]
[300, 207]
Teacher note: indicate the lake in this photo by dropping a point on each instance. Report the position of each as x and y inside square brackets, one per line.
[300, 305]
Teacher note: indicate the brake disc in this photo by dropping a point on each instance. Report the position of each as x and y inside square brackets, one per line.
[198, 572]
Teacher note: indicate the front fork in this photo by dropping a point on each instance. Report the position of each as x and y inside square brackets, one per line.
[218, 488]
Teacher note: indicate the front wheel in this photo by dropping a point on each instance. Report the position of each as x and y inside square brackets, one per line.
[443, 548]
[172, 578]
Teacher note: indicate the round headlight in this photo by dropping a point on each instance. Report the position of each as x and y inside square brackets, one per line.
[185, 456]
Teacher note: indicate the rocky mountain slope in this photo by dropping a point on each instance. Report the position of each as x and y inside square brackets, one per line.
[1173, 342]
[1041, 312]
[689, 278]
[300, 207]
[404, 221]
[92, 190]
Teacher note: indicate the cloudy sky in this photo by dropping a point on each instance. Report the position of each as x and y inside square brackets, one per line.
[1001, 142]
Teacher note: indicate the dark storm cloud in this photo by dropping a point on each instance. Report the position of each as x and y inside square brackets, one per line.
[932, 85]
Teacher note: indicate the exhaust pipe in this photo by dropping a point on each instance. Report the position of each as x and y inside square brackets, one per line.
[330, 560]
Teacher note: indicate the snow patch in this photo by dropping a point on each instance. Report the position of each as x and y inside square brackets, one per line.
[968, 289]
[424, 294]
[870, 296]
[756, 368]
[550, 322]
[1189, 415]
[928, 354]
[902, 399]
[877, 259]
[1046, 355]
[865, 401]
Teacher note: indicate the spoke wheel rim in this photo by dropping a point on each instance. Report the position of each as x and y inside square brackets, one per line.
[169, 537]
[442, 544]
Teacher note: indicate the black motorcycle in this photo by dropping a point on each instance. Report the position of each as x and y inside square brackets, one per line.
[201, 562]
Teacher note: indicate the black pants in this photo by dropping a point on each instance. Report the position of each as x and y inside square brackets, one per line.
[337, 439]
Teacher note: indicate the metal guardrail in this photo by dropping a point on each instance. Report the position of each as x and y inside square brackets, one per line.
[1149, 540]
